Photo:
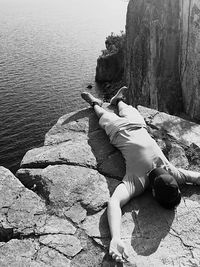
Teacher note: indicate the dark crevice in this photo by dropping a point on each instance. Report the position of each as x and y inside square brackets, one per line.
[92, 211]
[53, 248]
[118, 178]
[76, 225]
[43, 165]
[6, 234]
[96, 244]
[189, 247]
[37, 185]
[37, 235]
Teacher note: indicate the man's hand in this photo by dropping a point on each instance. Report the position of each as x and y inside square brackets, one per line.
[118, 250]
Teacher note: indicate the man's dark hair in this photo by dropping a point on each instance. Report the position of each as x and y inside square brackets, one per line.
[166, 189]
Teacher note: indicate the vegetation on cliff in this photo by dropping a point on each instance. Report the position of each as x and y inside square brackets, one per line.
[114, 43]
[110, 65]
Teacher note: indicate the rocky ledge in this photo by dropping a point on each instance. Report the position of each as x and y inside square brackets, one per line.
[54, 212]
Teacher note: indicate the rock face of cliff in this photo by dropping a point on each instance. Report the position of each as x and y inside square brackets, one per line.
[56, 215]
[162, 55]
[110, 68]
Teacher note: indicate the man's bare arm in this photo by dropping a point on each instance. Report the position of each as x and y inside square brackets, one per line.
[190, 176]
[183, 176]
[119, 198]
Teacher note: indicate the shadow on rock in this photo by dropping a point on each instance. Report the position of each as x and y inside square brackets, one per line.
[151, 224]
[144, 225]
[77, 116]
[109, 262]
[110, 161]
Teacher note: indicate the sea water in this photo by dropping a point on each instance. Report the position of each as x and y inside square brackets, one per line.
[48, 54]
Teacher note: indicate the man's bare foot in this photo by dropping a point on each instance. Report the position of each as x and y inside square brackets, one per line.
[120, 95]
[91, 99]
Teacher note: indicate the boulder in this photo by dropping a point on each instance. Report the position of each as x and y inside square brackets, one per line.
[68, 152]
[66, 185]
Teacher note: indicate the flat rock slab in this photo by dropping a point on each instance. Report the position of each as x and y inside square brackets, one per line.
[29, 253]
[73, 126]
[77, 153]
[62, 214]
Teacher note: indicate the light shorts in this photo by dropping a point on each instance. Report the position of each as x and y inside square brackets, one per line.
[128, 117]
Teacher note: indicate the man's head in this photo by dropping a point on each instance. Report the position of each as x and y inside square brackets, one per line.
[164, 188]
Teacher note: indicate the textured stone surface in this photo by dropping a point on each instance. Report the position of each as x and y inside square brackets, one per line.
[24, 220]
[25, 253]
[55, 225]
[51, 257]
[62, 220]
[73, 126]
[66, 185]
[62, 153]
[183, 130]
[76, 213]
[19, 253]
[21, 210]
[66, 244]
[162, 55]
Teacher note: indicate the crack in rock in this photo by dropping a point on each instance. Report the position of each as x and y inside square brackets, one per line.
[66, 244]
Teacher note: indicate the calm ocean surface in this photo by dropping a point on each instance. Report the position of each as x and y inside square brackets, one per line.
[48, 53]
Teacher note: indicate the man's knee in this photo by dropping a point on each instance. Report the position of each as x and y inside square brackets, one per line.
[128, 111]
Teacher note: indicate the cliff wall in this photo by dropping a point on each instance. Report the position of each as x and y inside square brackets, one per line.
[54, 214]
[110, 65]
[110, 68]
[162, 55]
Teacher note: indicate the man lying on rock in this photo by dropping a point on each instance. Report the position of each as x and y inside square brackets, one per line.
[145, 165]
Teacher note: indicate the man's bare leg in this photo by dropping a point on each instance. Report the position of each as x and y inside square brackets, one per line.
[120, 95]
[121, 105]
[95, 103]
[99, 110]
[90, 99]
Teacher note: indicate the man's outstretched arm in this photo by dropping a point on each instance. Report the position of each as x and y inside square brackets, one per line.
[192, 177]
[119, 198]
[183, 176]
